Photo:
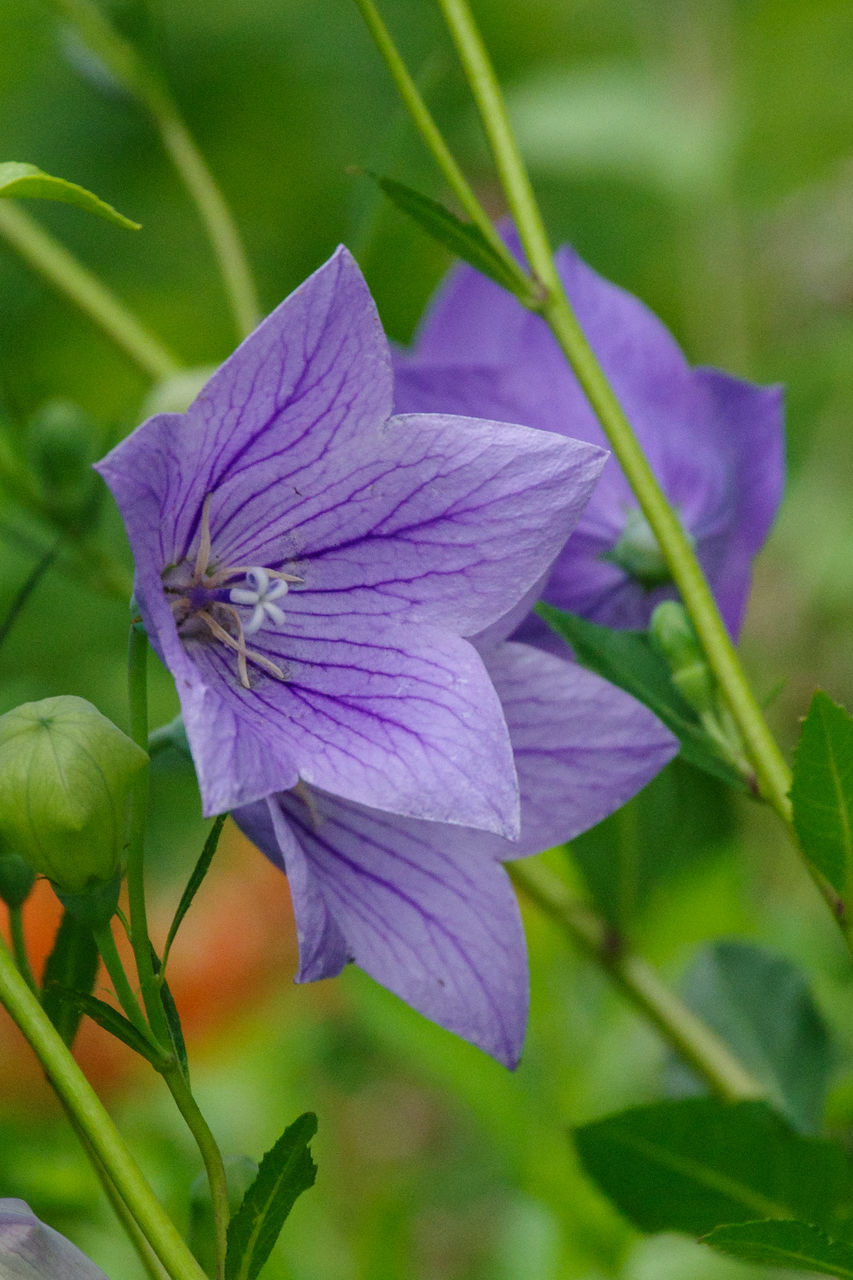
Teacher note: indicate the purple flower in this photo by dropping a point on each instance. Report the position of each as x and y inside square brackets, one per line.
[30, 1250]
[714, 442]
[427, 909]
[307, 566]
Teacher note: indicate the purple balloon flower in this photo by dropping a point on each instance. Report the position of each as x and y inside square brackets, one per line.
[307, 566]
[426, 909]
[714, 442]
[30, 1250]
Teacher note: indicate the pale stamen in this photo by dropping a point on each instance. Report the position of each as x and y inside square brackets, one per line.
[239, 647]
[203, 556]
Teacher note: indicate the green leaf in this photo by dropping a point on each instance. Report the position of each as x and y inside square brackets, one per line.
[692, 1164]
[795, 1245]
[173, 1018]
[627, 659]
[26, 180]
[462, 238]
[71, 966]
[761, 1005]
[286, 1171]
[679, 820]
[200, 870]
[822, 790]
[108, 1018]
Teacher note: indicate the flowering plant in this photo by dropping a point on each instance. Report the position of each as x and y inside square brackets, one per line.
[444, 629]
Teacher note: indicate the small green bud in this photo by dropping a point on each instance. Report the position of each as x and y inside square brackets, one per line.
[61, 447]
[16, 879]
[176, 393]
[65, 776]
[673, 636]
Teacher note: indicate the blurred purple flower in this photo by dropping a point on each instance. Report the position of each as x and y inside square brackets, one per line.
[714, 442]
[307, 565]
[427, 909]
[30, 1250]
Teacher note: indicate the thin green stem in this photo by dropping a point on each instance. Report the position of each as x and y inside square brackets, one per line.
[771, 769]
[112, 961]
[422, 117]
[62, 270]
[124, 62]
[19, 948]
[140, 941]
[210, 1154]
[696, 1043]
[78, 1096]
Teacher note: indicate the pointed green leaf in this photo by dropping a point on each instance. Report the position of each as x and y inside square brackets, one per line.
[794, 1245]
[761, 1005]
[200, 870]
[72, 965]
[26, 180]
[627, 659]
[822, 790]
[108, 1018]
[286, 1171]
[692, 1164]
[462, 238]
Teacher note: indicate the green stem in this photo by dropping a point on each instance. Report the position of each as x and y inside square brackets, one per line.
[771, 770]
[126, 65]
[63, 271]
[210, 1154]
[19, 947]
[694, 1041]
[83, 1103]
[422, 117]
[112, 961]
[138, 696]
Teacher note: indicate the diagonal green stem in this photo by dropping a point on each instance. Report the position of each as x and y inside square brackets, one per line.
[19, 947]
[62, 270]
[81, 1100]
[693, 1040]
[422, 117]
[126, 65]
[210, 1154]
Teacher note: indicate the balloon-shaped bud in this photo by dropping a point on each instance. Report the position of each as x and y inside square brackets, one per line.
[61, 446]
[673, 636]
[65, 778]
[16, 878]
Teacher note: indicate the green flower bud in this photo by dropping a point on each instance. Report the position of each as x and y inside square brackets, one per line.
[673, 636]
[65, 776]
[61, 448]
[176, 393]
[16, 879]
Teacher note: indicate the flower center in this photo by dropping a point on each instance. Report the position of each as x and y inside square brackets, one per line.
[638, 553]
[203, 602]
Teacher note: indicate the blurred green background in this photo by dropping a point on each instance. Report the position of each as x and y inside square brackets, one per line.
[700, 154]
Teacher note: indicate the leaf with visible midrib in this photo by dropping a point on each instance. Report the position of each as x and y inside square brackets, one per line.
[694, 1163]
[822, 790]
[796, 1245]
[285, 1172]
[17, 179]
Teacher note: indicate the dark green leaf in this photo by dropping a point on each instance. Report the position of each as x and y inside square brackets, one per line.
[627, 659]
[173, 1018]
[679, 819]
[761, 1005]
[795, 1245]
[200, 870]
[73, 966]
[26, 180]
[286, 1171]
[462, 238]
[108, 1018]
[822, 791]
[692, 1164]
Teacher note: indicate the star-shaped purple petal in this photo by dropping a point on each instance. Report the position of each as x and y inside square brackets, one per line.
[714, 442]
[426, 909]
[30, 1250]
[309, 568]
